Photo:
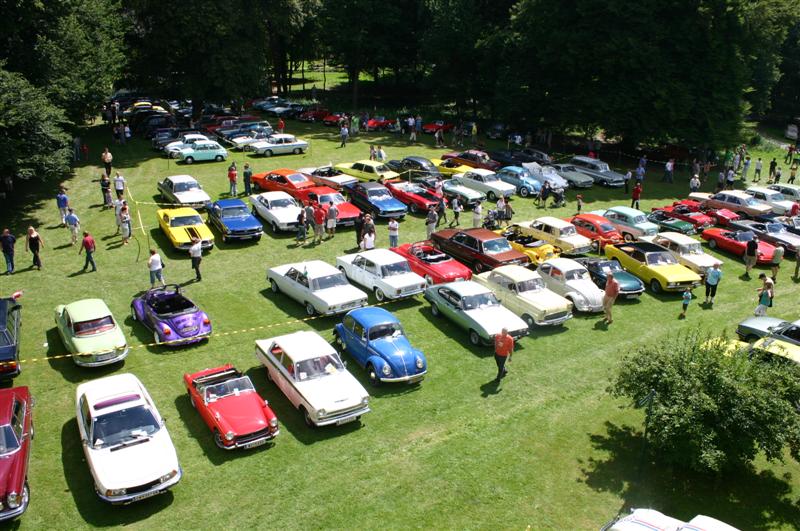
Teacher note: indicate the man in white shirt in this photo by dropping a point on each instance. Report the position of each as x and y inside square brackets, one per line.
[119, 185]
[196, 254]
[155, 265]
[477, 213]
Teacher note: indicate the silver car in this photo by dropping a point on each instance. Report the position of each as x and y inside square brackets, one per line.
[279, 144]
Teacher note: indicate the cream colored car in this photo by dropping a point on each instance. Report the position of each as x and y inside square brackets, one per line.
[558, 232]
[687, 251]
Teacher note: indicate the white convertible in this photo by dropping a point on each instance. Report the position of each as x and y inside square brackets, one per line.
[278, 209]
[318, 286]
[687, 251]
[278, 144]
[486, 181]
[127, 446]
[570, 279]
[383, 271]
[310, 373]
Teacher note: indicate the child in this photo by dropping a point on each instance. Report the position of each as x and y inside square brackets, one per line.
[579, 199]
[687, 298]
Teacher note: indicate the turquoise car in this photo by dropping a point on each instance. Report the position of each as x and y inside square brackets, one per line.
[203, 150]
[629, 222]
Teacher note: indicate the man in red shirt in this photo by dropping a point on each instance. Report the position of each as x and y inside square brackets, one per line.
[281, 125]
[503, 347]
[610, 295]
[233, 177]
[88, 245]
[319, 222]
[636, 193]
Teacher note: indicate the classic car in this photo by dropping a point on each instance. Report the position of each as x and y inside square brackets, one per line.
[652, 520]
[278, 209]
[666, 222]
[480, 249]
[558, 232]
[535, 249]
[686, 250]
[376, 340]
[376, 198]
[476, 309]
[282, 180]
[521, 179]
[383, 272]
[486, 181]
[546, 175]
[310, 373]
[771, 232]
[792, 224]
[450, 166]
[278, 144]
[453, 188]
[125, 441]
[173, 149]
[10, 324]
[736, 201]
[242, 141]
[90, 333]
[333, 118]
[770, 347]
[629, 222]
[681, 212]
[417, 198]
[183, 190]
[203, 150]
[571, 280]
[523, 292]
[16, 424]
[317, 285]
[575, 178]
[529, 154]
[231, 408]
[412, 167]
[754, 328]
[436, 125]
[504, 158]
[630, 287]
[328, 176]
[735, 242]
[430, 263]
[780, 204]
[654, 264]
[288, 109]
[172, 317]
[268, 102]
[597, 228]
[181, 225]
[315, 114]
[367, 170]
[720, 216]
[472, 158]
[347, 212]
[167, 136]
[233, 123]
[598, 171]
[233, 220]
[789, 191]
[378, 123]
[241, 130]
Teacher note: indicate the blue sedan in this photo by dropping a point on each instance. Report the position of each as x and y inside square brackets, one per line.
[234, 221]
[375, 339]
[521, 178]
[375, 198]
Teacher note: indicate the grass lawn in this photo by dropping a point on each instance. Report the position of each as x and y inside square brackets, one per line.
[549, 448]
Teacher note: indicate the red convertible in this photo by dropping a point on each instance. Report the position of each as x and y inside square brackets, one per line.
[472, 158]
[230, 406]
[683, 212]
[735, 242]
[417, 198]
[348, 212]
[313, 115]
[596, 228]
[435, 126]
[429, 262]
[721, 216]
[378, 123]
[16, 423]
[282, 180]
[333, 118]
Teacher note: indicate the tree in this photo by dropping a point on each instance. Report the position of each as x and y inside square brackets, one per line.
[712, 410]
[786, 97]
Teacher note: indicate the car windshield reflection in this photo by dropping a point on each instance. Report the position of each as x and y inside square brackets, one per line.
[397, 268]
[123, 425]
[385, 330]
[483, 300]
[318, 367]
[329, 281]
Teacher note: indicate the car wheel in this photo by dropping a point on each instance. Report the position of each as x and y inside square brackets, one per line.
[268, 153]
[274, 227]
[655, 286]
[310, 310]
[712, 244]
[474, 338]
[372, 374]
[413, 208]
[297, 151]
[218, 439]
[528, 320]
[219, 158]
[156, 338]
[133, 314]
[307, 418]
[595, 246]
[428, 280]
[477, 267]
[380, 295]
[628, 237]
[337, 340]
[491, 196]
[274, 286]
[188, 160]
[435, 310]
[524, 192]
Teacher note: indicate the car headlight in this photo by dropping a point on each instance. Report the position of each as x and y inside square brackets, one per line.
[365, 400]
[229, 436]
[273, 422]
[12, 500]
[169, 476]
[109, 492]
[420, 363]
[322, 412]
[398, 291]
[386, 370]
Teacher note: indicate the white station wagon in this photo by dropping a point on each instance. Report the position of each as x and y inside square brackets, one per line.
[310, 373]
[779, 203]
[318, 286]
[279, 144]
[127, 446]
[486, 181]
[570, 279]
[383, 271]
[278, 209]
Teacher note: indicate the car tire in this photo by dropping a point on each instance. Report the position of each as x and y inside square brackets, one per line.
[380, 295]
[307, 418]
[751, 338]
[655, 286]
[491, 196]
[478, 267]
[297, 151]
[156, 338]
[218, 440]
[435, 310]
[310, 310]
[133, 314]
[337, 341]
[268, 153]
[628, 237]
[413, 208]
[274, 227]
[595, 246]
[474, 338]
[524, 192]
[712, 244]
[428, 280]
[528, 320]
[219, 158]
[274, 286]
[188, 160]
[372, 374]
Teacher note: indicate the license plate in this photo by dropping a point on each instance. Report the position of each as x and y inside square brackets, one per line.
[147, 495]
[188, 329]
[255, 443]
[631, 296]
[345, 421]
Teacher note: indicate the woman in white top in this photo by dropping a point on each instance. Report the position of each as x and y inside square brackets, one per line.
[477, 212]
[368, 241]
[394, 233]
[155, 265]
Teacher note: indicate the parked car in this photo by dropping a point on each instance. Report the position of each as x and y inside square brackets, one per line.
[599, 171]
[779, 203]
[546, 174]
[412, 194]
[242, 141]
[282, 180]
[654, 265]
[523, 292]
[687, 251]
[314, 114]
[278, 144]
[575, 178]
[669, 223]
[629, 222]
[721, 216]
[735, 242]
[90, 333]
[486, 181]
[599, 269]
[376, 199]
[172, 317]
[182, 225]
[260, 127]
[734, 200]
[571, 280]
[234, 221]
[771, 232]
[278, 209]
[286, 110]
[597, 228]
[792, 224]
[16, 424]
[333, 118]
[347, 212]
[383, 272]
[472, 158]
[413, 166]
[173, 149]
[528, 154]
[317, 285]
[378, 123]
[650, 520]
[432, 127]
[310, 373]
[535, 249]
[789, 191]
[521, 179]
[10, 324]
[558, 232]
[367, 170]
[432, 264]
[469, 197]
[183, 190]
[328, 176]
[476, 309]
[480, 249]
[681, 212]
[376, 340]
[450, 167]
[203, 150]
[125, 440]
[754, 328]
[231, 408]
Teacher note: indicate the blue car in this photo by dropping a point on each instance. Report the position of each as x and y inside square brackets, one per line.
[234, 221]
[375, 198]
[375, 339]
[10, 321]
[521, 178]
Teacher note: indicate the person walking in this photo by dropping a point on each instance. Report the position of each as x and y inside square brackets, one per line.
[775, 264]
[765, 295]
[441, 211]
[233, 178]
[477, 215]
[438, 186]
[343, 134]
[626, 179]
[686, 299]
[792, 173]
[772, 165]
[7, 242]
[62, 202]
[372, 153]
[694, 183]
[636, 194]
[301, 227]
[503, 347]
[579, 204]
[330, 220]
[281, 125]
[412, 137]
[508, 213]
[713, 276]
[394, 233]
[107, 159]
[796, 263]
[359, 229]
[474, 133]
[431, 220]
[730, 178]
[500, 210]
[640, 171]
[778, 174]
[789, 154]
[247, 178]
[73, 224]
[455, 204]
[125, 222]
[105, 188]
[196, 254]
[319, 223]
[88, 245]
[35, 243]
[610, 295]
[757, 170]
[119, 185]
[156, 267]
[380, 154]
[750, 256]
[745, 168]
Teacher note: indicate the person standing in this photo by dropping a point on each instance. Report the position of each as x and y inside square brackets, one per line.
[89, 246]
[319, 222]
[35, 243]
[750, 256]
[579, 204]
[508, 214]
[772, 165]
[669, 168]
[412, 137]
[126, 133]
[477, 215]
[796, 263]
[441, 211]
[686, 298]
[438, 186]
[7, 242]
[777, 258]
[344, 133]
[778, 174]
[765, 294]
[119, 185]
[792, 173]
[455, 204]
[636, 194]
[380, 154]
[640, 174]
[281, 125]
[105, 188]
[359, 229]
[247, 177]
[431, 220]
[500, 209]
[745, 167]
[474, 133]
[372, 152]
[368, 241]
[730, 178]
[757, 172]
[610, 295]
[62, 202]
[301, 227]
[107, 158]
[394, 233]
[330, 219]
[503, 347]
[196, 254]
[626, 179]
[125, 222]
[694, 183]
[233, 177]
[156, 268]
[713, 276]
[73, 224]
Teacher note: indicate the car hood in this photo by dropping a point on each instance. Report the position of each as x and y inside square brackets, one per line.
[390, 203]
[575, 176]
[185, 234]
[675, 273]
[139, 463]
[576, 241]
[106, 341]
[340, 294]
[241, 414]
[700, 260]
[405, 280]
[786, 237]
[627, 281]
[242, 223]
[187, 324]
[494, 318]
[333, 392]
[12, 472]
[647, 226]
[508, 256]
[193, 196]
[612, 175]
[500, 186]
[469, 193]
[760, 324]
[587, 288]
[285, 215]
[546, 300]
[398, 352]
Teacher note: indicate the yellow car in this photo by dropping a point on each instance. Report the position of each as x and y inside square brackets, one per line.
[560, 233]
[727, 346]
[450, 168]
[537, 250]
[367, 170]
[181, 225]
[654, 265]
[777, 347]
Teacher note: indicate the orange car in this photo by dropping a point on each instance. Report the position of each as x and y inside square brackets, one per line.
[282, 180]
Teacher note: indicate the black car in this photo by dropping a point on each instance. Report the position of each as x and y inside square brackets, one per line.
[179, 134]
[630, 286]
[772, 232]
[505, 158]
[10, 322]
[412, 167]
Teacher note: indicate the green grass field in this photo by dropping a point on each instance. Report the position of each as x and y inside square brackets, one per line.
[547, 449]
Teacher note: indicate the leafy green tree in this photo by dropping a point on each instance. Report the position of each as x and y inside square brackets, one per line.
[707, 410]
[786, 97]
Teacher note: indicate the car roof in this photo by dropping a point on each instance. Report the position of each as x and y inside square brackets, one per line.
[175, 212]
[585, 159]
[645, 247]
[371, 316]
[369, 162]
[87, 309]
[281, 135]
[6, 397]
[112, 393]
[206, 142]
[514, 169]
[371, 185]
[597, 218]
[564, 264]
[466, 287]
[232, 202]
[299, 346]
[417, 158]
[762, 189]
[182, 179]
[272, 196]
[314, 268]
[517, 273]
[482, 234]
[677, 237]
[556, 222]
[736, 193]
[382, 256]
[785, 185]
[628, 211]
[481, 171]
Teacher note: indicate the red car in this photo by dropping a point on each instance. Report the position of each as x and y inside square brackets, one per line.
[16, 424]
[231, 121]
[473, 158]
[333, 118]
[698, 219]
[282, 180]
[480, 249]
[735, 242]
[378, 123]
[721, 216]
[231, 408]
[313, 115]
[596, 228]
[435, 126]
[348, 212]
[417, 198]
[429, 262]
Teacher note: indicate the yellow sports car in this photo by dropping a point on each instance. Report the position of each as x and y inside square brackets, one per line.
[537, 250]
[654, 265]
[450, 168]
[181, 225]
[777, 347]
[367, 170]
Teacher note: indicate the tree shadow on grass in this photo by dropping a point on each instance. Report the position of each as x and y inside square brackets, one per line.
[745, 498]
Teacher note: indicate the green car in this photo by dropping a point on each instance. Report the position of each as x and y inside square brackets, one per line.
[671, 224]
[90, 333]
[203, 150]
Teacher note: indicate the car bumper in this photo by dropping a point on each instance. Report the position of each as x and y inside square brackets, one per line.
[344, 307]
[343, 418]
[410, 379]
[613, 184]
[92, 361]
[397, 214]
[631, 294]
[554, 320]
[161, 488]
[186, 340]
[252, 443]
[680, 286]
[242, 237]
[405, 293]
[577, 250]
[10, 514]
[580, 184]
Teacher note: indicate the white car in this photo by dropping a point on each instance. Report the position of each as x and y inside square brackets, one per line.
[652, 520]
[570, 279]
[779, 203]
[173, 149]
[383, 271]
[687, 251]
[789, 191]
[126, 443]
[486, 181]
[318, 286]
[242, 141]
[278, 144]
[183, 190]
[310, 373]
[328, 176]
[523, 292]
[546, 174]
[455, 187]
[558, 232]
[278, 209]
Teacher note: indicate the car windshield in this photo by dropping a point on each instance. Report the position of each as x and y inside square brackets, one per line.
[568, 231]
[329, 281]
[522, 173]
[639, 219]
[610, 266]
[744, 236]
[327, 198]
[499, 245]
[577, 274]
[297, 178]
[234, 386]
[691, 248]
[186, 221]
[93, 326]
[655, 259]
[8, 440]
[775, 227]
[532, 284]
[568, 168]
[602, 166]
[379, 194]
[385, 330]
[776, 196]
[186, 187]
[284, 202]
[413, 189]
[318, 367]
[124, 425]
[606, 227]
[397, 268]
[482, 300]
[235, 212]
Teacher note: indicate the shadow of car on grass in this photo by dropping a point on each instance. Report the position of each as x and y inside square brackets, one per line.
[61, 361]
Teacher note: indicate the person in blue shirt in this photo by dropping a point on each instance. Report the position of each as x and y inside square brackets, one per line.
[687, 298]
[73, 223]
[62, 202]
[713, 276]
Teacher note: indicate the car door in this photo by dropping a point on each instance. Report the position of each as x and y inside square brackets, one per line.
[84, 422]
[166, 188]
[503, 288]
[450, 304]
[286, 376]
[357, 270]
[65, 329]
[13, 323]
[355, 339]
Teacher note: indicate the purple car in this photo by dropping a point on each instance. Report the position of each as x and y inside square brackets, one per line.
[171, 316]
